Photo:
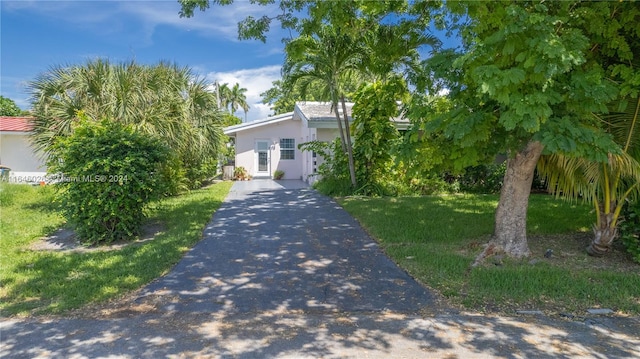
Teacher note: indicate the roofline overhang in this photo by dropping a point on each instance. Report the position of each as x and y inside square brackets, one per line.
[401, 126]
[232, 130]
[15, 132]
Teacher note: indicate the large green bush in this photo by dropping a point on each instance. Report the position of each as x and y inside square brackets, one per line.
[107, 174]
[483, 178]
[375, 136]
[630, 229]
[333, 172]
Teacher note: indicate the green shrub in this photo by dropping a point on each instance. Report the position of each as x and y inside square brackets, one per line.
[173, 176]
[333, 186]
[278, 174]
[108, 176]
[430, 185]
[374, 135]
[200, 172]
[630, 229]
[483, 178]
[241, 174]
[334, 170]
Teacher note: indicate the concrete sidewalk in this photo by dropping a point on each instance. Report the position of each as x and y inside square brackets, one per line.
[285, 272]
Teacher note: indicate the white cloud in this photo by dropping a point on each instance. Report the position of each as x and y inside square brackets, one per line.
[108, 16]
[256, 81]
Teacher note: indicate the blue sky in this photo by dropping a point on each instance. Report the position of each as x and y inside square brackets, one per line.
[36, 35]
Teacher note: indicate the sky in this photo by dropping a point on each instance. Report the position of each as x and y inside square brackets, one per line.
[37, 35]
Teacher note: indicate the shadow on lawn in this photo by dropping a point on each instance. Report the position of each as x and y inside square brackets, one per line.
[74, 279]
[287, 273]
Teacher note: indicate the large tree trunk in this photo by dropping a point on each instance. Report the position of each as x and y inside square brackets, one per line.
[510, 232]
[352, 166]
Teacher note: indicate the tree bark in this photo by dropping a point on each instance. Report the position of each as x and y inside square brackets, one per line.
[335, 109]
[510, 232]
[352, 166]
[603, 235]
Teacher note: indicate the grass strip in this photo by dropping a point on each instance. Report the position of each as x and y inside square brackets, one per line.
[436, 238]
[45, 282]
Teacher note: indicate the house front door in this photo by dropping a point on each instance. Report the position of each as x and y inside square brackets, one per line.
[262, 158]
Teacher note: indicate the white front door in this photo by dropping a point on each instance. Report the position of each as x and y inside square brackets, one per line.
[262, 158]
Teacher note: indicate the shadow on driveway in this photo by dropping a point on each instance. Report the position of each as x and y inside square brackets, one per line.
[285, 249]
[283, 271]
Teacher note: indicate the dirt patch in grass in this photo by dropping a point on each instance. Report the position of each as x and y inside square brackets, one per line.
[558, 278]
[65, 240]
[566, 251]
[569, 251]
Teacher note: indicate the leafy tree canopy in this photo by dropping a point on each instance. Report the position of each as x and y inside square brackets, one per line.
[529, 81]
[282, 96]
[527, 74]
[349, 14]
[8, 107]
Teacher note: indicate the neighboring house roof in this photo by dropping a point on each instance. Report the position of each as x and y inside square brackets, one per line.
[258, 123]
[16, 124]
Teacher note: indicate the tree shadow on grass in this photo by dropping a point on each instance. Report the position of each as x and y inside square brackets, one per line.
[290, 274]
[53, 282]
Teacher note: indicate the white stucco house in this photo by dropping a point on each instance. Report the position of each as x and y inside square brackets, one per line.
[270, 144]
[16, 151]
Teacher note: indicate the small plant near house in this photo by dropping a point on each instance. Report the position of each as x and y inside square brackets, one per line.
[278, 175]
[109, 175]
[241, 174]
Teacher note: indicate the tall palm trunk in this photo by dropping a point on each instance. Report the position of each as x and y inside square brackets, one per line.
[339, 120]
[352, 166]
[604, 232]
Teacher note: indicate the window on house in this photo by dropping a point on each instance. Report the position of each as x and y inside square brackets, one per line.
[287, 149]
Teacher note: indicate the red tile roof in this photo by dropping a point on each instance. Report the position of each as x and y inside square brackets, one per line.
[16, 124]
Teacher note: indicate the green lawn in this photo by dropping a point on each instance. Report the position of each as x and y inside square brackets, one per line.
[38, 282]
[436, 238]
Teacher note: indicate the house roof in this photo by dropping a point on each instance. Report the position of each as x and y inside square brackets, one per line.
[320, 111]
[321, 115]
[315, 114]
[253, 124]
[16, 124]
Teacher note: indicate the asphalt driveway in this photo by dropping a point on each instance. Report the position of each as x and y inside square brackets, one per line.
[279, 245]
[285, 272]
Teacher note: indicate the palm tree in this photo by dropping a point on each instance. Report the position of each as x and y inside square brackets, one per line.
[223, 93]
[331, 59]
[164, 100]
[394, 49]
[233, 98]
[238, 99]
[606, 185]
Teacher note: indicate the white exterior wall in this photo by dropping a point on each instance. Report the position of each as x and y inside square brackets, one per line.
[328, 134]
[307, 156]
[17, 154]
[312, 165]
[246, 153]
